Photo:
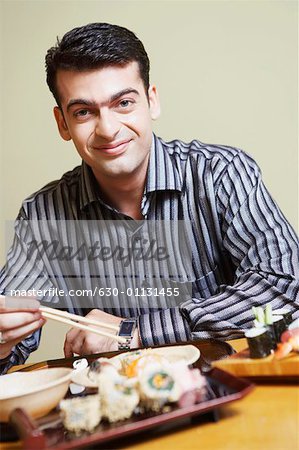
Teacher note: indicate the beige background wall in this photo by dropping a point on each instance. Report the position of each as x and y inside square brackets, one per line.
[226, 72]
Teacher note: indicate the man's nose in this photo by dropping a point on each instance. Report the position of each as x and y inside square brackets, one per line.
[107, 126]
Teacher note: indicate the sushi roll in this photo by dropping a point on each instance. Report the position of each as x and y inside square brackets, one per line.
[81, 413]
[278, 327]
[259, 341]
[188, 379]
[118, 395]
[129, 357]
[285, 313]
[157, 387]
[129, 361]
[135, 363]
[149, 360]
[294, 324]
[191, 383]
[97, 367]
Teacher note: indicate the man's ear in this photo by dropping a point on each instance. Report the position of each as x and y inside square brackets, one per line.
[62, 127]
[154, 102]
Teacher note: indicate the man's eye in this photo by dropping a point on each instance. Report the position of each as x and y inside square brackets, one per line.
[125, 103]
[81, 113]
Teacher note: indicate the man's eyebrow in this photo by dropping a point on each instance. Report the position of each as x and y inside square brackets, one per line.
[79, 101]
[123, 92]
[83, 101]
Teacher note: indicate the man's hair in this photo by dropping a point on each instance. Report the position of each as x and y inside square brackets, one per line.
[95, 46]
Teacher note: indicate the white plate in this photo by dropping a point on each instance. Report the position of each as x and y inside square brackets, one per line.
[188, 353]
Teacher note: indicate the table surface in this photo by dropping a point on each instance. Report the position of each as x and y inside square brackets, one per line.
[267, 418]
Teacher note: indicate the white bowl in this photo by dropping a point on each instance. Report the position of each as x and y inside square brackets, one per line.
[36, 392]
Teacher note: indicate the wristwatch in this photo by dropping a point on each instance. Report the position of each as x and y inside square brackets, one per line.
[126, 330]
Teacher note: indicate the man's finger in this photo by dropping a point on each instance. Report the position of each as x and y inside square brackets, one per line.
[11, 320]
[73, 339]
[67, 349]
[13, 337]
[8, 304]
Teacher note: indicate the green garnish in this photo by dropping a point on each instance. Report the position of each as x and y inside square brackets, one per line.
[268, 315]
[260, 315]
[263, 317]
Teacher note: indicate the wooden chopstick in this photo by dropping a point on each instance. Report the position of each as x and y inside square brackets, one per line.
[74, 324]
[76, 318]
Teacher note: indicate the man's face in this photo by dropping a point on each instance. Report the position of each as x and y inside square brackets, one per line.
[108, 115]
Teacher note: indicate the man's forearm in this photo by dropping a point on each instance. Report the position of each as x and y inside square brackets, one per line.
[226, 314]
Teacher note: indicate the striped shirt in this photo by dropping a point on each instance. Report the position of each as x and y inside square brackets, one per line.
[231, 248]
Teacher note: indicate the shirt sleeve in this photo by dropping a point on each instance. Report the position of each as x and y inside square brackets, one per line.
[20, 352]
[24, 270]
[22, 273]
[262, 251]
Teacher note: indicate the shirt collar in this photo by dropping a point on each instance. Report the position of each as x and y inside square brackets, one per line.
[163, 174]
[87, 186]
[164, 171]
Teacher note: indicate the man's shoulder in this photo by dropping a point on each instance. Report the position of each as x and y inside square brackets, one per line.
[55, 191]
[196, 148]
[217, 158]
[66, 182]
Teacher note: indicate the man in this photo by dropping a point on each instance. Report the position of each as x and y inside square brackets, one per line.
[243, 253]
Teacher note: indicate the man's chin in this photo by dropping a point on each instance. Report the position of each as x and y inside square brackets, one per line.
[114, 170]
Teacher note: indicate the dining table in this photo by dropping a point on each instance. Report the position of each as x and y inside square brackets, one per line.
[265, 419]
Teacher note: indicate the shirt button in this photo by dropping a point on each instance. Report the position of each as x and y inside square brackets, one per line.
[145, 284]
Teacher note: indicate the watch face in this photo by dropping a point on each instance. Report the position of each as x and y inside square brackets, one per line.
[126, 328]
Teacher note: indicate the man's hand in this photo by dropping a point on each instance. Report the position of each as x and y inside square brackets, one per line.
[84, 342]
[19, 317]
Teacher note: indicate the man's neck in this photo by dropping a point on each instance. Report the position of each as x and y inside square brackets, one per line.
[124, 193]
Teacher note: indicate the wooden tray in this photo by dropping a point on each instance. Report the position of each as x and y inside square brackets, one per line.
[269, 368]
[49, 433]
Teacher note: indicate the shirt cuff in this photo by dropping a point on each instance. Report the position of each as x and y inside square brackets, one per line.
[163, 327]
[7, 362]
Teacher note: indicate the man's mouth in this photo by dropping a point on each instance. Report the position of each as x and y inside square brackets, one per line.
[114, 148]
